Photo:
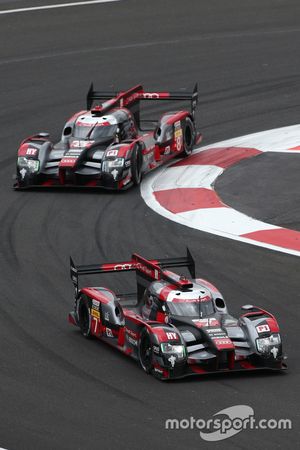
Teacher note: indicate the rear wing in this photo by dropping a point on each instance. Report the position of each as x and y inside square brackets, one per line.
[146, 270]
[132, 97]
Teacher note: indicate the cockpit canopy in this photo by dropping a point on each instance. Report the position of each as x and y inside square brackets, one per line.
[118, 125]
[194, 303]
[94, 128]
[190, 308]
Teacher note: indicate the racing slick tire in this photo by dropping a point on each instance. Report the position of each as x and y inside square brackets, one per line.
[84, 318]
[188, 137]
[145, 351]
[136, 165]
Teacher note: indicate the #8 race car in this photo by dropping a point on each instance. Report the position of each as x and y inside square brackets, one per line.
[175, 326]
[105, 145]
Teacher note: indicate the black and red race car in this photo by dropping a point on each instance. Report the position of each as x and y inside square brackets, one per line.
[172, 325]
[107, 145]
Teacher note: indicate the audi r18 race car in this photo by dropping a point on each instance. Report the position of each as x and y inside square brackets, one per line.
[105, 144]
[172, 325]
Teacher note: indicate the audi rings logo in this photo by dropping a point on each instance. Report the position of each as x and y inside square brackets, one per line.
[150, 95]
[126, 266]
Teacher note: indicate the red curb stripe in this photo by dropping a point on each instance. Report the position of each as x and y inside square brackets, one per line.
[188, 199]
[281, 237]
[295, 148]
[221, 156]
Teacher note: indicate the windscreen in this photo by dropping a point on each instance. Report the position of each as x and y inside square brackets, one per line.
[191, 308]
[94, 132]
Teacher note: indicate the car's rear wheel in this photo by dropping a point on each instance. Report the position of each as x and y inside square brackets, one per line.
[84, 318]
[136, 165]
[145, 351]
[188, 137]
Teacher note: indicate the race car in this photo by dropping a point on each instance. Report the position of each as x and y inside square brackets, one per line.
[175, 326]
[106, 144]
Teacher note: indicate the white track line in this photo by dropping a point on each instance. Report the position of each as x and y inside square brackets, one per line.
[59, 5]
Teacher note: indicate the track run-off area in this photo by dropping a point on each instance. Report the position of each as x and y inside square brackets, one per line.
[184, 191]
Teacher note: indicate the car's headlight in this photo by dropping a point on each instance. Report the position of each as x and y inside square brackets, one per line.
[263, 344]
[32, 164]
[170, 349]
[110, 164]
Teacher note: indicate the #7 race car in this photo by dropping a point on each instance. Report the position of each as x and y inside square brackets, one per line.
[175, 326]
[106, 146]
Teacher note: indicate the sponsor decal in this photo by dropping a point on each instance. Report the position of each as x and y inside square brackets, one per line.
[215, 330]
[223, 341]
[144, 269]
[95, 304]
[216, 333]
[69, 160]
[210, 322]
[167, 150]
[106, 316]
[23, 173]
[115, 173]
[189, 300]
[274, 352]
[81, 144]
[148, 271]
[31, 151]
[109, 333]
[132, 341]
[262, 328]
[74, 153]
[178, 133]
[112, 153]
[156, 369]
[155, 349]
[125, 101]
[172, 360]
[95, 313]
[131, 333]
[171, 335]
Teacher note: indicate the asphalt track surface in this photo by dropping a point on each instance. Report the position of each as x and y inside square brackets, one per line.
[266, 187]
[57, 390]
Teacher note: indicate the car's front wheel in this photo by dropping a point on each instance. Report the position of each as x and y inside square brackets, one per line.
[188, 137]
[136, 165]
[84, 318]
[145, 351]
